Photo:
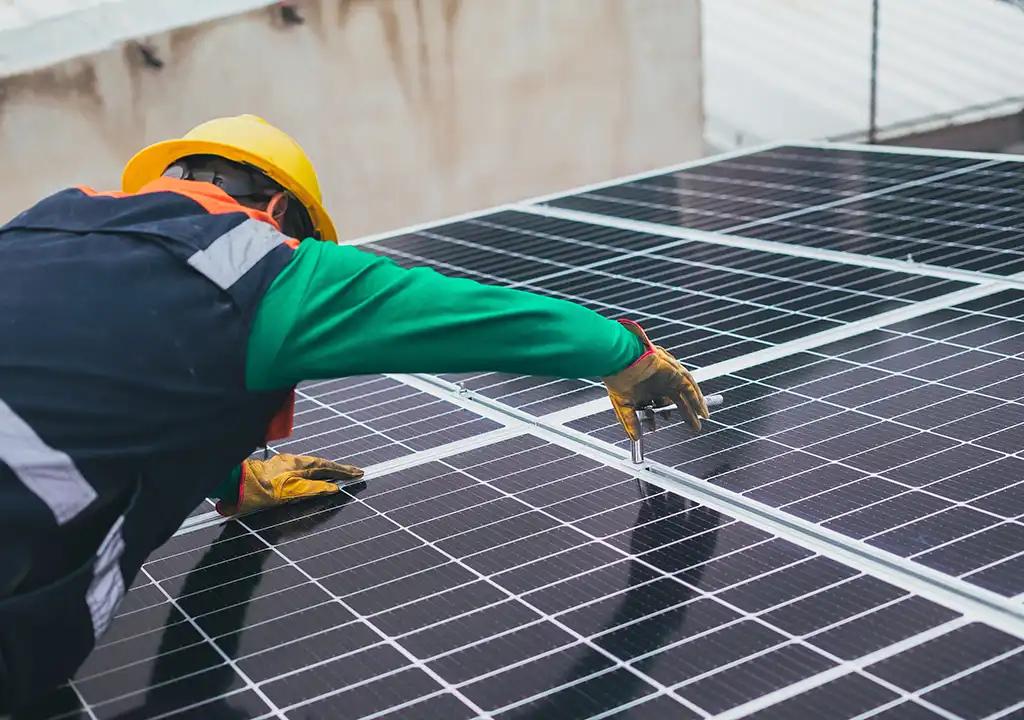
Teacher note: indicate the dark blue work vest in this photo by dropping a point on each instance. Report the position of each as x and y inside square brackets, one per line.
[124, 321]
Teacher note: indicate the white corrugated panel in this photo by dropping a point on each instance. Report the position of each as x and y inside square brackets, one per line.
[800, 69]
[39, 33]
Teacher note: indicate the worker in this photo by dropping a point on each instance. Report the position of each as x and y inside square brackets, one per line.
[153, 338]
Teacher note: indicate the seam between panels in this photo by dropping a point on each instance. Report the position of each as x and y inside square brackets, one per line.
[902, 150]
[274, 710]
[1003, 613]
[770, 246]
[385, 638]
[420, 457]
[537, 207]
[803, 344]
[839, 202]
[81, 698]
[848, 667]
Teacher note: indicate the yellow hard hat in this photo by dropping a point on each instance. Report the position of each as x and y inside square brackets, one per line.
[242, 138]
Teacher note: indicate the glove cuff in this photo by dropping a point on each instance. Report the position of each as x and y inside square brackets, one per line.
[225, 510]
[635, 329]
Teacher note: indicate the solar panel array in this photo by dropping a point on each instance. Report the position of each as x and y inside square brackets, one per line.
[844, 540]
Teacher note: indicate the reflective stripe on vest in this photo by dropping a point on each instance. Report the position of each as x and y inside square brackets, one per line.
[50, 474]
[107, 586]
[236, 252]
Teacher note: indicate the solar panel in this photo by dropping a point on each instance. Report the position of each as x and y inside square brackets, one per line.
[844, 540]
[479, 584]
[740, 191]
[704, 303]
[956, 213]
[908, 438]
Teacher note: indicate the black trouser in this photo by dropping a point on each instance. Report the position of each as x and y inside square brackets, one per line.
[46, 630]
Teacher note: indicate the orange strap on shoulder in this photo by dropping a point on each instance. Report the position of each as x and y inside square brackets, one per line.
[214, 200]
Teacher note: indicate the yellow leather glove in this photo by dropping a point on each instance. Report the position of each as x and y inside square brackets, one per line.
[656, 379]
[284, 478]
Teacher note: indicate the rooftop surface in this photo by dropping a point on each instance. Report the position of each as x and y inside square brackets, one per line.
[844, 539]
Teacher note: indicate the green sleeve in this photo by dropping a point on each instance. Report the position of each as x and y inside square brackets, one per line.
[336, 311]
[228, 489]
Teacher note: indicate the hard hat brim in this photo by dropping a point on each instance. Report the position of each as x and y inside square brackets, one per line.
[150, 163]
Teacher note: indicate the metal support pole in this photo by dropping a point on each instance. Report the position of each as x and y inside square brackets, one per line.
[873, 119]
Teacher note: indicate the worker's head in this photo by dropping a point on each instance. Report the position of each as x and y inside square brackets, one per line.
[252, 161]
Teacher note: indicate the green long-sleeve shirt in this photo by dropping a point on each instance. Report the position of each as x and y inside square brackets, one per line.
[336, 311]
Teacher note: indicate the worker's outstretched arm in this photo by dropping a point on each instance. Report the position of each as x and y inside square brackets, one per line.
[337, 311]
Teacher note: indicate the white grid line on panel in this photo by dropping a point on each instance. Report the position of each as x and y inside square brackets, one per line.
[360, 683]
[924, 244]
[419, 699]
[878, 421]
[420, 457]
[650, 253]
[848, 365]
[909, 489]
[660, 575]
[201, 703]
[911, 309]
[926, 341]
[895, 703]
[320, 450]
[622, 308]
[320, 662]
[374, 386]
[917, 694]
[412, 659]
[782, 348]
[85, 706]
[671, 288]
[902, 150]
[1012, 710]
[766, 188]
[952, 189]
[625, 556]
[629, 705]
[767, 199]
[890, 650]
[938, 177]
[653, 254]
[846, 667]
[275, 711]
[661, 170]
[1008, 558]
[803, 344]
[770, 246]
[404, 705]
[983, 605]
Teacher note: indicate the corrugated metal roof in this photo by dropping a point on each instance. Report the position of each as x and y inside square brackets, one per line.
[800, 69]
[39, 33]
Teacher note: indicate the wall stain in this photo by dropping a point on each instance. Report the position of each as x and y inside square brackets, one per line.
[77, 79]
[451, 9]
[345, 10]
[622, 126]
[182, 42]
[391, 26]
[132, 64]
[423, 51]
[313, 12]
[448, 134]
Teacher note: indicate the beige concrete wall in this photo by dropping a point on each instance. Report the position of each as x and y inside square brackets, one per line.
[411, 109]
